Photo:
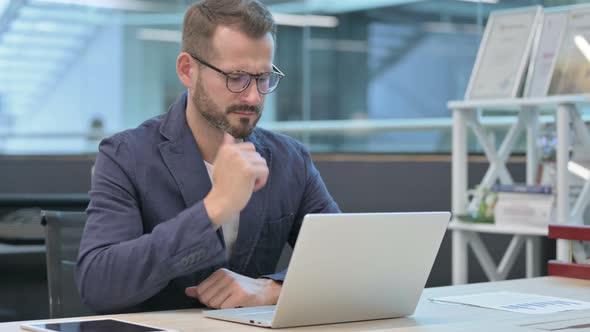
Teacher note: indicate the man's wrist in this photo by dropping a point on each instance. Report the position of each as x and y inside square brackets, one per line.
[216, 212]
[273, 290]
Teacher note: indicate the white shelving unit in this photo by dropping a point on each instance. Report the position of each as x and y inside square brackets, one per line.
[465, 235]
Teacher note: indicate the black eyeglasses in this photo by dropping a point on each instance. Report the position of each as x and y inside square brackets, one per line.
[238, 81]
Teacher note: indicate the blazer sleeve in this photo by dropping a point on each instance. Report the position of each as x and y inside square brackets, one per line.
[315, 199]
[118, 265]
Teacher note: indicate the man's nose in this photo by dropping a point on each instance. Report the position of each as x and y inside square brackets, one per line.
[251, 96]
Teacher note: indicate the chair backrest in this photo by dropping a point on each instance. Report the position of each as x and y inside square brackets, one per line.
[63, 231]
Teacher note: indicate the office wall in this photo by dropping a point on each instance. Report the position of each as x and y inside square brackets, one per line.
[359, 184]
[414, 183]
[45, 175]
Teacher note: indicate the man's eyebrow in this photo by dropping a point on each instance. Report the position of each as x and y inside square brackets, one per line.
[246, 72]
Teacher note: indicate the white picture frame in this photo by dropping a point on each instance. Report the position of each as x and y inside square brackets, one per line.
[547, 42]
[572, 65]
[503, 54]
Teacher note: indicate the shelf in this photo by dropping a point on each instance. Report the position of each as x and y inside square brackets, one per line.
[570, 232]
[516, 103]
[493, 228]
[568, 118]
[570, 270]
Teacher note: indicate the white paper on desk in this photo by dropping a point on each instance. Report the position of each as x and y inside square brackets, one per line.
[517, 302]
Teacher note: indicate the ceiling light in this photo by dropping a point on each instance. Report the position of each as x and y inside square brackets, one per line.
[53, 27]
[25, 65]
[26, 39]
[319, 21]
[164, 35]
[481, 1]
[16, 52]
[46, 26]
[335, 6]
[135, 5]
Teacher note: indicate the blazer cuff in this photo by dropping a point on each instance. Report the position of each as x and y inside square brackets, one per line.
[280, 276]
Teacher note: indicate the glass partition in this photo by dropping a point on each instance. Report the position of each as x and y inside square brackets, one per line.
[368, 76]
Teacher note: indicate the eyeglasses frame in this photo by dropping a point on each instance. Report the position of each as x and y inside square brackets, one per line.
[227, 75]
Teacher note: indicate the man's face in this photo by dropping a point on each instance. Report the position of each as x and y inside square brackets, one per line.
[234, 113]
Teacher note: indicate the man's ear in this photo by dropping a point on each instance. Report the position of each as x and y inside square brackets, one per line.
[185, 71]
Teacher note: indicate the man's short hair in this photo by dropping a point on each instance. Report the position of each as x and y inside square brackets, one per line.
[248, 16]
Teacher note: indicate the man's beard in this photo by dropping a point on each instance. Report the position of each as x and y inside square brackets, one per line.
[218, 119]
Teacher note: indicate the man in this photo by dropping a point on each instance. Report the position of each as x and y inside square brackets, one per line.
[194, 207]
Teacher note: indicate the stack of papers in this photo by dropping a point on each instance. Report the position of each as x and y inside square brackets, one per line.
[516, 302]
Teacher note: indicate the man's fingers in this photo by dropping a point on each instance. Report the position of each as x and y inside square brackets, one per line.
[253, 157]
[191, 291]
[201, 288]
[254, 160]
[211, 293]
[245, 146]
[220, 297]
[232, 301]
[261, 177]
[258, 167]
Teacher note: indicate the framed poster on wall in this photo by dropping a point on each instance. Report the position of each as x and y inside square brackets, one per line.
[571, 74]
[504, 53]
[547, 42]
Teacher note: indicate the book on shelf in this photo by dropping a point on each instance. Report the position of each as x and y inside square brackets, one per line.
[524, 205]
[522, 188]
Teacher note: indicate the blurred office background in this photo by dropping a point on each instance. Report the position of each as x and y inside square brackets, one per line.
[73, 71]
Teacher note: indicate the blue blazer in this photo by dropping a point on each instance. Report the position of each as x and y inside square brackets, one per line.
[148, 235]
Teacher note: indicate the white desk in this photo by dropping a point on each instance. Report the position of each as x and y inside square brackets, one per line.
[428, 316]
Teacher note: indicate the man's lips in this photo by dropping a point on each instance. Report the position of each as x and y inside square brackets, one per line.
[244, 113]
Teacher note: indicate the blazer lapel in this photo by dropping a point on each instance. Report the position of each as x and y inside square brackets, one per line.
[252, 217]
[182, 156]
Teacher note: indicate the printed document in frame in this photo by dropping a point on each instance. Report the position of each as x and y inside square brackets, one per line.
[504, 53]
[547, 43]
[571, 75]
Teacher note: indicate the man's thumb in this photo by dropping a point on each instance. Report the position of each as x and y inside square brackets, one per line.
[228, 139]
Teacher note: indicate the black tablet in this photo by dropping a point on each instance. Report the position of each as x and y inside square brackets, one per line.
[99, 325]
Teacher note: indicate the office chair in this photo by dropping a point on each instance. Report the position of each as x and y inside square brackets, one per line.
[63, 231]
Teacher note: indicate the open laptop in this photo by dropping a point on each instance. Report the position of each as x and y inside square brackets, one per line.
[352, 267]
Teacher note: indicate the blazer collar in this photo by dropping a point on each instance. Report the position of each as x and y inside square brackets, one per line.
[181, 155]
